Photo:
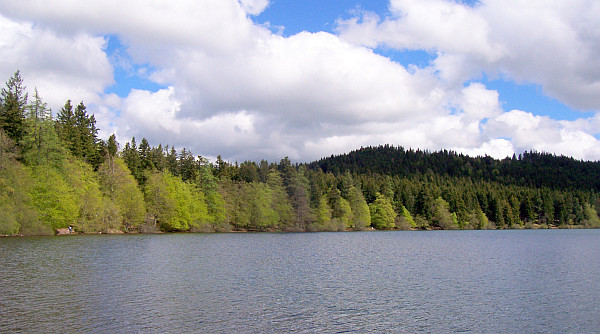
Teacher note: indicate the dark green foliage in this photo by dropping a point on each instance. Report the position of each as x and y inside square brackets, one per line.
[13, 102]
[530, 169]
[58, 173]
[78, 132]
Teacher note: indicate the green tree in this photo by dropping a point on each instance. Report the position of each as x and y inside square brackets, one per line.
[262, 216]
[591, 219]
[477, 219]
[341, 211]
[96, 212]
[53, 197]
[442, 217]
[170, 202]
[65, 126]
[40, 141]
[361, 216]
[323, 216]
[407, 217]
[382, 213]
[280, 201]
[117, 183]
[13, 102]
[131, 156]
[200, 219]
[215, 203]
[18, 214]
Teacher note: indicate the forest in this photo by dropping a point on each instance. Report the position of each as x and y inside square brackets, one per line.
[55, 172]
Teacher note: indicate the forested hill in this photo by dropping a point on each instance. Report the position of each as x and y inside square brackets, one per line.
[530, 169]
[57, 175]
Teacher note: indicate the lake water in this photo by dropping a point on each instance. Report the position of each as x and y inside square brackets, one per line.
[527, 281]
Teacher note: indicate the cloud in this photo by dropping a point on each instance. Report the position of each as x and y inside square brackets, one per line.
[544, 134]
[554, 45]
[254, 7]
[61, 67]
[236, 89]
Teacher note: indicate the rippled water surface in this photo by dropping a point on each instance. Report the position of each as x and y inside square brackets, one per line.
[438, 281]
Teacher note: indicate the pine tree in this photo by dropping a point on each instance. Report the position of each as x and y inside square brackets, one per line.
[13, 102]
[40, 142]
[65, 125]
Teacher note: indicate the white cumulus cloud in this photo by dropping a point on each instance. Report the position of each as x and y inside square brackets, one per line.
[235, 88]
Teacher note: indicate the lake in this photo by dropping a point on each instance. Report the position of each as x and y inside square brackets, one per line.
[525, 281]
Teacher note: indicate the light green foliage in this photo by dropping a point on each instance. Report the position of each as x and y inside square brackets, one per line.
[172, 202]
[340, 209]
[280, 201]
[262, 214]
[591, 216]
[421, 222]
[53, 197]
[361, 216]
[408, 217]
[217, 215]
[477, 220]
[8, 220]
[323, 215]
[382, 213]
[442, 217]
[117, 183]
[17, 211]
[250, 205]
[199, 217]
[159, 202]
[96, 212]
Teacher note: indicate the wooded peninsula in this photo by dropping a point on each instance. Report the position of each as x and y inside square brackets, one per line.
[55, 173]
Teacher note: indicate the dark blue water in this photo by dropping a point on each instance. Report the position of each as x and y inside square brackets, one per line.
[529, 281]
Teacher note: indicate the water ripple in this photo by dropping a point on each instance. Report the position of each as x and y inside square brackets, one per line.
[447, 281]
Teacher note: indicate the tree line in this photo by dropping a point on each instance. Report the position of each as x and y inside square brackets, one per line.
[55, 172]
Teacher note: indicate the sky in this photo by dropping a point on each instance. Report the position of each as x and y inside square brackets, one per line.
[266, 79]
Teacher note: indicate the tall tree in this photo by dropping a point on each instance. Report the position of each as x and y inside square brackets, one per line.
[361, 216]
[117, 183]
[40, 141]
[13, 102]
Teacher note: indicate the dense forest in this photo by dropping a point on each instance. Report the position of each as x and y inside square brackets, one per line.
[56, 172]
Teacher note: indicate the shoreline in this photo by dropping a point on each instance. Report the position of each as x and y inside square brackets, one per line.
[119, 232]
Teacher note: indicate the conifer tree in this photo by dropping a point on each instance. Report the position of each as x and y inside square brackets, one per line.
[40, 142]
[13, 102]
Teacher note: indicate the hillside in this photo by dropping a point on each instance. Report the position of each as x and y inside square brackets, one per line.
[530, 169]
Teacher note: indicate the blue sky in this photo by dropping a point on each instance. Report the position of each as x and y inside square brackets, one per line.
[290, 17]
[314, 16]
[253, 79]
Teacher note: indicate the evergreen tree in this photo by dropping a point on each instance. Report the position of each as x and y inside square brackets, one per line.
[131, 156]
[40, 142]
[145, 155]
[13, 102]
[65, 126]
